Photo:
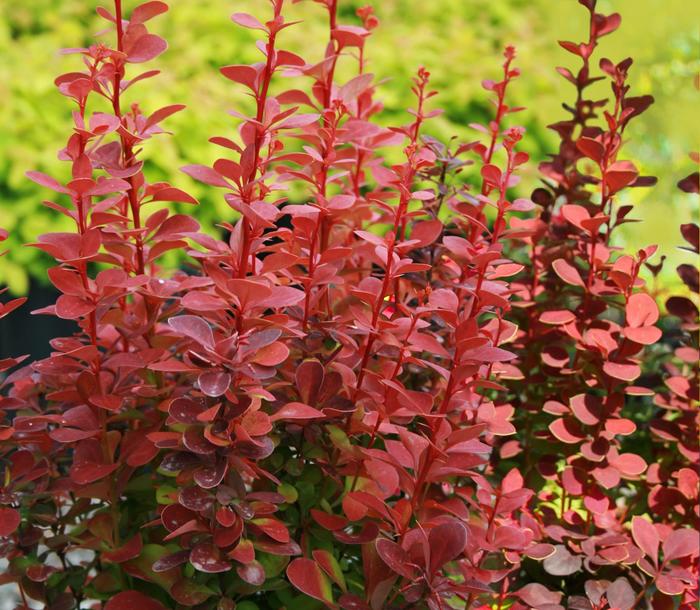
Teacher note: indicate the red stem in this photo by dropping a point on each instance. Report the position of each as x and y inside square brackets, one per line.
[259, 138]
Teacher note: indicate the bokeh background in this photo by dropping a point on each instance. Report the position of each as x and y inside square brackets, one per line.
[459, 41]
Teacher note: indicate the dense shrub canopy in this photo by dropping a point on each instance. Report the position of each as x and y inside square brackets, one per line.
[458, 42]
[389, 381]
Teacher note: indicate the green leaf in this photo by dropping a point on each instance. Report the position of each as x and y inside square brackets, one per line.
[289, 492]
[141, 566]
[165, 494]
[273, 564]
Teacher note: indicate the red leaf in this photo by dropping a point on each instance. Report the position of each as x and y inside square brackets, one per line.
[328, 521]
[488, 354]
[194, 328]
[253, 573]
[641, 310]
[47, 181]
[9, 306]
[175, 516]
[562, 562]
[296, 411]
[566, 431]
[567, 272]
[624, 372]
[623, 426]
[205, 174]
[201, 301]
[308, 377]
[107, 186]
[271, 355]
[669, 585]
[128, 551]
[681, 543]
[606, 25]
[536, 595]
[395, 557]
[329, 564]
[196, 498]
[571, 47]
[586, 408]
[148, 10]
[690, 184]
[244, 75]
[130, 600]
[284, 296]
[646, 335]
[298, 120]
[273, 528]
[214, 383]
[491, 174]
[71, 435]
[173, 194]
[205, 557]
[308, 577]
[629, 464]
[575, 214]
[447, 542]
[9, 520]
[591, 148]
[619, 175]
[557, 317]
[89, 472]
[248, 21]
[244, 551]
[145, 48]
[70, 307]
[163, 113]
[646, 537]
[40, 573]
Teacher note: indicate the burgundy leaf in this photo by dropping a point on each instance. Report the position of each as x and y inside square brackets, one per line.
[128, 600]
[194, 328]
[447, 542]
[562, 562]
[206, 558]
[395, 557]
[9, 520]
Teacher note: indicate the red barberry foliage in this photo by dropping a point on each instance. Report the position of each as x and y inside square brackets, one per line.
[411, 388]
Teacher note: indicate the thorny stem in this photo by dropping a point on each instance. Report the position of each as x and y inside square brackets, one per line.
[395, 237]
[83, 204]
[420, 489]
[397, 368]
[495, 128]
[489, 538]
[411, 151]
[260, 133]
[321, 228]
[126, 146]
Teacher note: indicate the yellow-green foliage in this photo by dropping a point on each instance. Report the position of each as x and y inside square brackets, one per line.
[459, 41]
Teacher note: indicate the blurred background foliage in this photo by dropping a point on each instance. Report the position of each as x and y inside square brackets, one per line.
[459, 41]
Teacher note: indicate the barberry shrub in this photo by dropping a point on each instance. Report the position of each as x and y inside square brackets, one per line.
[376, 385]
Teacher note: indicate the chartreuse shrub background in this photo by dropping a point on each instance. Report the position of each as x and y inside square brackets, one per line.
[459, 41]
